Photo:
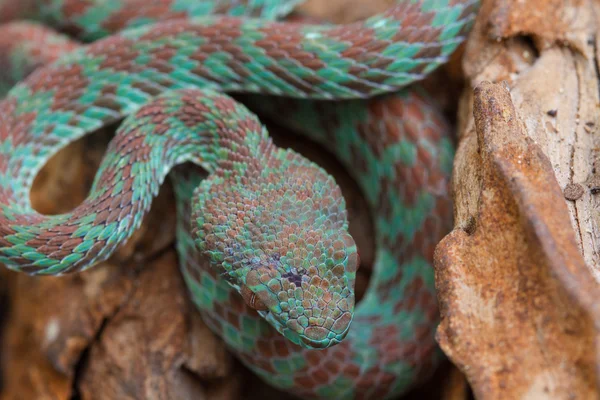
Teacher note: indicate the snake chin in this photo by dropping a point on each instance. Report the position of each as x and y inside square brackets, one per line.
[313, 337]
[312, 311]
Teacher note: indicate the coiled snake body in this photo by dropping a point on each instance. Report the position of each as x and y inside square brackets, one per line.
[263, 240]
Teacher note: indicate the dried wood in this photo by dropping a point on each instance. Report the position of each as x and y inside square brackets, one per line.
[517, 278]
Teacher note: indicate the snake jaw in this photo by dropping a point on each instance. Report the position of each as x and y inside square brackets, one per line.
[312, 308]
[314, 338]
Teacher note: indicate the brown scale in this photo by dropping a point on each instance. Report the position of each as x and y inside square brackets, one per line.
[8, 39]
[7, 119]
[21, 132]
[410, 293]
[5, 230]
[160, 58]
[408, 350]
[367, 130]
[305, 382]
[422, 244]
[282, 349]
[413, 181]
[283, 42]
[205, 50]
[380, 131]
[104, 203]
[266, 348]
[222, 32]
[307, 84]
[117, 53]
[405, 251]
[414, 130]
[67, 77]
[332, 366]
[23, 261]
[147, 87]
[427, 303]
[224, 42]
[391, 349]
[416, 34]
[426, 160]
[437, 182]
[236, 64]
[374, 377]
[404, 121]
[223, 7]
[68, 245]
[363, 39]
[384, 204]
[389, 287]
[13, 10]
[75, 8]
[220, 37]
[27, 35]
[424, 346]
[469, 10]
[72, 84]
[432, 226]
[98, 246]
[16, 166]
[412, 16]
[261, 363]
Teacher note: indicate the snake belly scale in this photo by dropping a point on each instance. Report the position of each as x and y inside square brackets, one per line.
[263, 240]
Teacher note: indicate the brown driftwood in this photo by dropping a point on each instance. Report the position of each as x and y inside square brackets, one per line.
[517, 278]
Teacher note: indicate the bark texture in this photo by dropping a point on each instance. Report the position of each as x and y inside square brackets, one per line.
[518, 277]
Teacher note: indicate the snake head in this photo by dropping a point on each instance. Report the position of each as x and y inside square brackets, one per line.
[279, 235]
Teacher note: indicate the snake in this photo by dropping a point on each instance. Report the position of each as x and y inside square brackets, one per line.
[262, 233]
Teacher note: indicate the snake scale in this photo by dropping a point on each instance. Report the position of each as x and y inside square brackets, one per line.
[263, 233]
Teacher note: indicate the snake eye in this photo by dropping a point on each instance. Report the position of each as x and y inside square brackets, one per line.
[251, 300]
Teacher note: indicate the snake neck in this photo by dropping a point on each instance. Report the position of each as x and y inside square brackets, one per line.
[210, 130]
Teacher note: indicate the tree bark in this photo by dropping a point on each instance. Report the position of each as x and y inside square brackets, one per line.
[518, 277]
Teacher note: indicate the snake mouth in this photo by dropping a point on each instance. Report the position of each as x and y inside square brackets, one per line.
[320, 337]
[312, 337]
[317, 337]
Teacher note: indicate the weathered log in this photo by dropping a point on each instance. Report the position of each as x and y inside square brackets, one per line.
[517, 278]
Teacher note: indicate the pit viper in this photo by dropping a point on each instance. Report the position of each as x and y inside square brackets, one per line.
[263, 233]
